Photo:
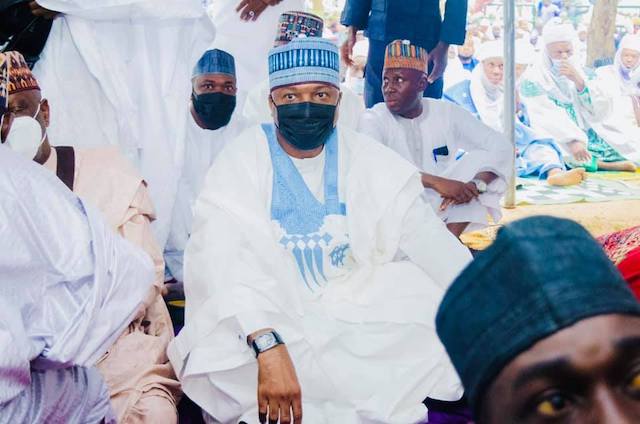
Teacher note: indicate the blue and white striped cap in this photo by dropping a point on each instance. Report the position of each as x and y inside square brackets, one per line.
[215, 62]
[304, 60]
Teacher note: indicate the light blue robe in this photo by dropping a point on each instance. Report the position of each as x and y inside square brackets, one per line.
[535, 155]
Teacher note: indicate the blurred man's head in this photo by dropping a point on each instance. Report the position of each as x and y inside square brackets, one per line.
[404, 78]
[558, 41]
[295, 24]
[553, 332]
[629, 51]
[214, 89]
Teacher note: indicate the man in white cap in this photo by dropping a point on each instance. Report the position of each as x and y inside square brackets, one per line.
[294, 24]
[566, 102]
[483, 96]
[297, 243]
[622, 80]
[464, 163]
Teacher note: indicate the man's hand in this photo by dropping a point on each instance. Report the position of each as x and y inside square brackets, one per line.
[347, 47]
[279, 394]
[568, 70]
[250, 10]
[438, 57]
[579, 151]
[40, 11]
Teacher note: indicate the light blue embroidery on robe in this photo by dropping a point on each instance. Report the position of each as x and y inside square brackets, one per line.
[298, 211]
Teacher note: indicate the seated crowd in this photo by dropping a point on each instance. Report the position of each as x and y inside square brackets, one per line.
[296, 210]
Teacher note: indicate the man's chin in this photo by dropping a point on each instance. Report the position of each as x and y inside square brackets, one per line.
[394, 107]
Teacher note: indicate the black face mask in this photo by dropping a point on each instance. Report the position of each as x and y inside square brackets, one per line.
[214, 109]
[307, 125]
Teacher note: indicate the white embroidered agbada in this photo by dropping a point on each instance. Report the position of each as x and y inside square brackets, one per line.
[266, 252]
[117, 72]
[256, 107]
[623, 88]
[202, 147]
[449, 142]
[73, 283]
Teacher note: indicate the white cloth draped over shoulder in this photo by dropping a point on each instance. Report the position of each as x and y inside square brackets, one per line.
[248, 41]
[471, 147]
[118, 72]
[256, 106]
[202, 147]
[75, 283]
[364, 344]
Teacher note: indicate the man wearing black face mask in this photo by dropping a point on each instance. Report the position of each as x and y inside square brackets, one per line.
[211, 125]
[296, 231]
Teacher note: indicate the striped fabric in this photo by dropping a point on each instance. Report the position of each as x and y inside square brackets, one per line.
[403, 54]
[4, 82]
[304, 60]
[215, 62]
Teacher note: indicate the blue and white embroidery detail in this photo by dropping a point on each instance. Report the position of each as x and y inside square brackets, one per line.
[300, 214]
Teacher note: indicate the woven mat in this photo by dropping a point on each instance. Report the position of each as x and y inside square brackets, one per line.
[598, 189]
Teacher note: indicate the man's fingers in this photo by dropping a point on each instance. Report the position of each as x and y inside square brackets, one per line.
[296, 406]
[263, 405]
[346, 51]
[242, 4]
[274, 411]
[285, 411]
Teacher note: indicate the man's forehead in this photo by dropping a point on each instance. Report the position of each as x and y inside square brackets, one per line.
[306, 87]
[215, 77]
[560, 45]
[26, 96]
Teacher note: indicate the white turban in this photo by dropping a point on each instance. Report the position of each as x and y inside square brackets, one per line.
[631, 42]
[490, 49]
[555, 32]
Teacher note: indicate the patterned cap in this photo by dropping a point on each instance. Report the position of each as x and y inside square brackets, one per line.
[403, 54]
[295, 24]
[215, 62]
[304, 60]
[4, 77]
[20, 76]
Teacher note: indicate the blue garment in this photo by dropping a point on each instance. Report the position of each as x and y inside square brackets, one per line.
[535, 155]
[416, 20]
[472, 64]
[301, 215]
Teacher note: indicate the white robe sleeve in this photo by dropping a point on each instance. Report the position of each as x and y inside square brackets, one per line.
[427, 242]
[371, 124]
[594, 103]
[126, 9]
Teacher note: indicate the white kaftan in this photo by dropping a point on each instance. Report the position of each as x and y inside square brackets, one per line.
[307, 247]
[256, 107]
[449, 142]
[75, 284]
[202, 147]
[118, 72]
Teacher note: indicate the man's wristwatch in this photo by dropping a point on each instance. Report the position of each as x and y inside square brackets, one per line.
[480, 185]
[266, 341]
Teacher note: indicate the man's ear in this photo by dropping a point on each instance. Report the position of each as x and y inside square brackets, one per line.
[272, 108]
[44, 110]
[423, 83]
[337, 115]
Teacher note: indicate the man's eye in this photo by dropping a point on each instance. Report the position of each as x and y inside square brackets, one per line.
[322, 95]
[400, 79]
[634, 384]
[289, 96]
[553, 405]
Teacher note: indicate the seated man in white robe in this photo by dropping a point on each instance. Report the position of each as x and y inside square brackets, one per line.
[314, 251]
[464, 163]
[292, 25]
[213, 121]
[565, 101]
[69, 287]
[622, 80]
[141, 380]
[537, 155]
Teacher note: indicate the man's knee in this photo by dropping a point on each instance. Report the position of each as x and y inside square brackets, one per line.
[155, 406]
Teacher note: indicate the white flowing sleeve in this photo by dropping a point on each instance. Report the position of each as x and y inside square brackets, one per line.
[594, 103]
[371, 124]
[126, 9]
[429, 244]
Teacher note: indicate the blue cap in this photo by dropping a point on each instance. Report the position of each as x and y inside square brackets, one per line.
[304, 60]
[215, 62]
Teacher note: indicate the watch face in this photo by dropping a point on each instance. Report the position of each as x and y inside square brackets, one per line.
[265, 341]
